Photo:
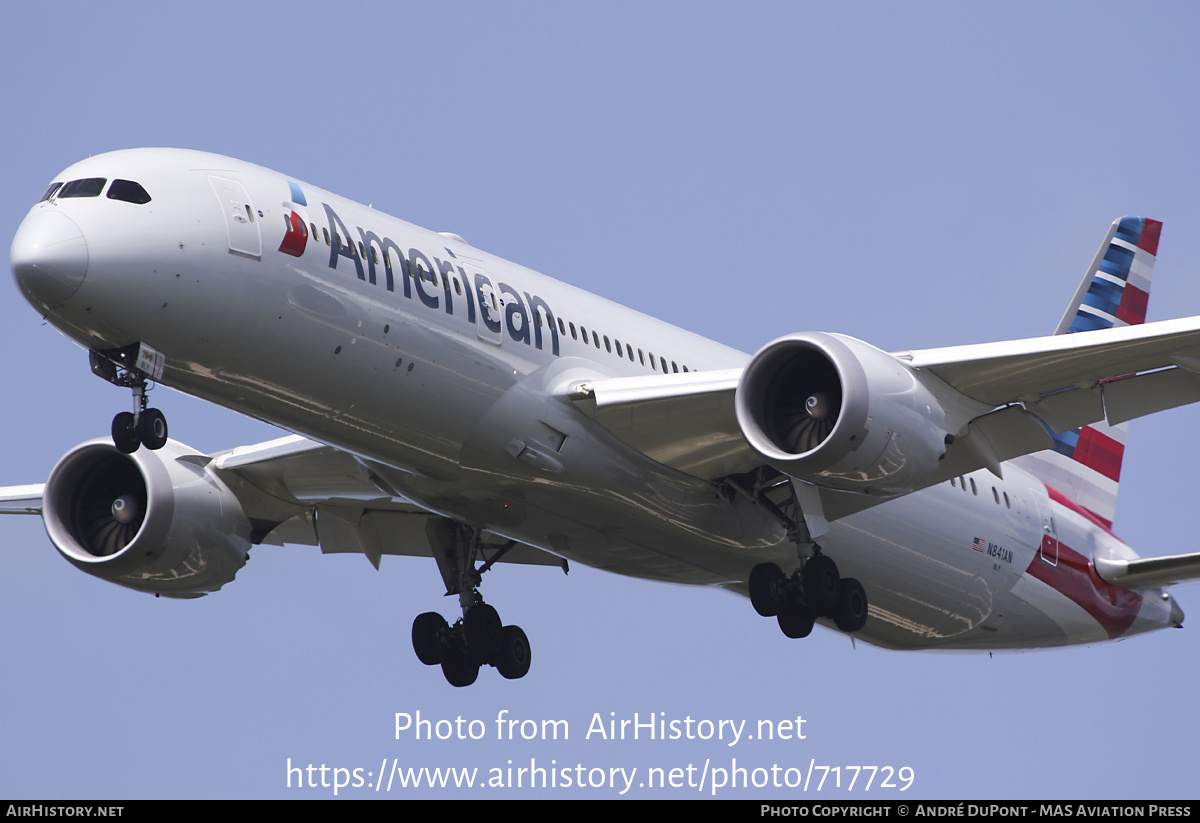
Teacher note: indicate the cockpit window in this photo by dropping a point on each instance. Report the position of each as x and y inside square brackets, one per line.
[128, 191]
[53, 187]
[87, 187]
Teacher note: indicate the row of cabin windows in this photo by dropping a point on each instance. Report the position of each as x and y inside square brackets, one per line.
[961, 482]
[611, 346]
[614, 346]
[126, 190]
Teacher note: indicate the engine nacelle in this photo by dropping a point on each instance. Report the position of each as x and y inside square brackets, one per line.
[155, 521]
[839, 413]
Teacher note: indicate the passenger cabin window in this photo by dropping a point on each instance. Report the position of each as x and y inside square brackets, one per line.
[87, 187]
[49, 192]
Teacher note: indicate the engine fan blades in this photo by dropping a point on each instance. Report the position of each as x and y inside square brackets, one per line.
[801, 433]
[802, 403]
[106, 535]
[110, 507]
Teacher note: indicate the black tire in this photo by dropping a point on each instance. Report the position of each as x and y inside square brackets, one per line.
[428, 632]
[795, 622]
[459, 671]
[821, 584]
[152, 429]
[850, 614]
[124, 433]
[483, 631]
[513, 660]
[765, 582]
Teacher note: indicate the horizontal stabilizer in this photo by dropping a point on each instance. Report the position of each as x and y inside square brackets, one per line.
[1150, 572]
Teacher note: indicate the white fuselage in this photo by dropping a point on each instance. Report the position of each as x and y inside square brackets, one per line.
[414, 349]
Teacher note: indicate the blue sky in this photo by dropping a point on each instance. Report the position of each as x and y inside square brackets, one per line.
[914, 175]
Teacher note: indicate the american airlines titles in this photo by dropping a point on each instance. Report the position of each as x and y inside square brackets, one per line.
[497, 307]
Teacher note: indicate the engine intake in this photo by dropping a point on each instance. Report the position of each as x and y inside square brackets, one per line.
[155, 521]
[837, 412]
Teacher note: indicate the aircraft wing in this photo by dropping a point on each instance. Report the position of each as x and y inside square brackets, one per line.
[687, 421]
[21, 499]
[294, 490]
[1038, 369]
[346, 505]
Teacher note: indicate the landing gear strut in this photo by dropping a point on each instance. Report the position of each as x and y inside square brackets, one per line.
[128, 367]
[479, 637]
[815, 589]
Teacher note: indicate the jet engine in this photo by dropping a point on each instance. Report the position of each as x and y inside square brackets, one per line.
[839, 413]
[156, 521]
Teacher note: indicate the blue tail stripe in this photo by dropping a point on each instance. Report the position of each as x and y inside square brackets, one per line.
[1104, 296]
[1130, 229]
[1066, 442]
[1117, 261]
[1088, 322]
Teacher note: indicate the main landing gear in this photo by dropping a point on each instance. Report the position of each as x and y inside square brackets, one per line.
[479, 637]
[127, 367]
[815, 590]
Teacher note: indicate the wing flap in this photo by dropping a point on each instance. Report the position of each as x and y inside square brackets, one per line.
[1148, 393]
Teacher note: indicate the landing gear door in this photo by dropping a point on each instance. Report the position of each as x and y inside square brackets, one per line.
[241, 221]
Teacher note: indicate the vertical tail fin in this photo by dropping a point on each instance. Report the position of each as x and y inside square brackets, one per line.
[1085, 465]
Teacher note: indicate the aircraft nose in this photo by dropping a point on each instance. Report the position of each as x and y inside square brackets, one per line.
[49, 258]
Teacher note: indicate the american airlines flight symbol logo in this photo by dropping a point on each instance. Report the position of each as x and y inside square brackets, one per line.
[296, 237]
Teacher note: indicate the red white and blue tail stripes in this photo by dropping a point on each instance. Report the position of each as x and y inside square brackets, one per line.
[1118, 282]
[1085, 466]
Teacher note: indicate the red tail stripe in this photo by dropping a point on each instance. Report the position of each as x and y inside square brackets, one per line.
[1113, 608]
[1132, 309]
[1151, 229]
[1100, 452]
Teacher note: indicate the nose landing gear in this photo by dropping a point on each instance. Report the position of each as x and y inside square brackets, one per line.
[142, 427]
[132, 367]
